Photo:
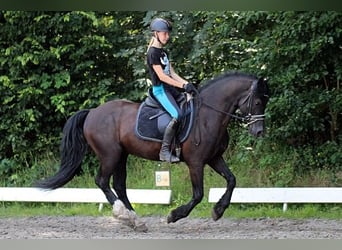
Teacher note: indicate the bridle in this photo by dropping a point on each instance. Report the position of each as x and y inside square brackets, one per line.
[246, 119]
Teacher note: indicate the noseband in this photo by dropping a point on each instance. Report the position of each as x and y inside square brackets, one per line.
[246, 119]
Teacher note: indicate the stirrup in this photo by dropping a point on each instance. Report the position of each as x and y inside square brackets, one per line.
[168, 158]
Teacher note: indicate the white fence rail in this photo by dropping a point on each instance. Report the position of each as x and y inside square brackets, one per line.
[280, 195]
[163, 196]
[85, 195]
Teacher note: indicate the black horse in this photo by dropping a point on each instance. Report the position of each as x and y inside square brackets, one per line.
[109, 131]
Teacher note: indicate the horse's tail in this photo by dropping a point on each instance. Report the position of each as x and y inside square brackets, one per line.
[73, 149]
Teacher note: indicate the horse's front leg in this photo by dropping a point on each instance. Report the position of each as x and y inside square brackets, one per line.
[196, 176]
[219, 165]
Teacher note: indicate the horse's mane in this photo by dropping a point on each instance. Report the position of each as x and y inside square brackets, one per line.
[224, 76]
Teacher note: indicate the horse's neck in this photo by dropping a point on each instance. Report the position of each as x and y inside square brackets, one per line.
[225, 96]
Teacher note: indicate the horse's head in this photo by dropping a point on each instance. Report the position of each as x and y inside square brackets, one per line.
[252, 106]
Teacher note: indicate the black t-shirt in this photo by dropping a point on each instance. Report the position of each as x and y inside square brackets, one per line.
[157, 56]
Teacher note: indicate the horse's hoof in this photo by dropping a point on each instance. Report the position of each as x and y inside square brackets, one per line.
[170, 219]
[173, 217]
[135, 224]
[216, 215]
[140, 227]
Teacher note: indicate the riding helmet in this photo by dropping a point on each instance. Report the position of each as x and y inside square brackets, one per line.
[160, 24]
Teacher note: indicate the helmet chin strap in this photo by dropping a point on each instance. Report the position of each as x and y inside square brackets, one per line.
[156, 36]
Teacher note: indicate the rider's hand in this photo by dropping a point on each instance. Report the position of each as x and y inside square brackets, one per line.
[190, 88]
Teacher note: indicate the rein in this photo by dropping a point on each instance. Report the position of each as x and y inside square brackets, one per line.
[247, 119]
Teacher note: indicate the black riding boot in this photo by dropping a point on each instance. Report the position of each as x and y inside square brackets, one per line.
[165, 152]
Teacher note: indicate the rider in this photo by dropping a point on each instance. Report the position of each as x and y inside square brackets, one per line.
[166, 82]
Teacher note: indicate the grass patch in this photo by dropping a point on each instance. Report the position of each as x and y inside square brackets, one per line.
[203, 210]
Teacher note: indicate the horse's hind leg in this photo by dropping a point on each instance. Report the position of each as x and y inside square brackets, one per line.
[119, 181]
[109, 159]
[102, 181]
[125, 211]
[219, 165]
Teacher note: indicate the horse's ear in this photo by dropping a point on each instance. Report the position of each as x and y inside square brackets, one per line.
[262, 86]
[262, 80]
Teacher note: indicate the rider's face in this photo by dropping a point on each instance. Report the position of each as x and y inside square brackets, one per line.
[163, 37]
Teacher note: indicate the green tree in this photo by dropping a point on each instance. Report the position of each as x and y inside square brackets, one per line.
[53, 64]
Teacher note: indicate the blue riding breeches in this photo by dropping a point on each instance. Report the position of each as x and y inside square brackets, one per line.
[167, 101]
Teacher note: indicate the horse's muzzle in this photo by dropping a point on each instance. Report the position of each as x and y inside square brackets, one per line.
[257, 129]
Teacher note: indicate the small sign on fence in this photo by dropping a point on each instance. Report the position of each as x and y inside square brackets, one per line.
[162, 178]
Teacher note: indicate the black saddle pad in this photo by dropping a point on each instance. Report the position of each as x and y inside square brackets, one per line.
[152, 120]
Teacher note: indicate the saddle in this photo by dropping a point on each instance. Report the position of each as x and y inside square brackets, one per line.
[152, 119]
